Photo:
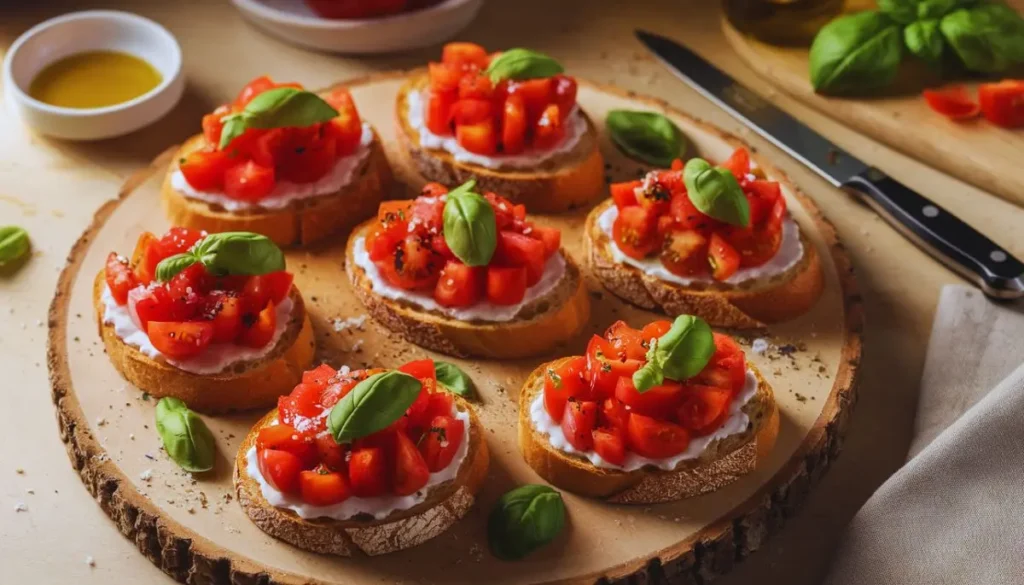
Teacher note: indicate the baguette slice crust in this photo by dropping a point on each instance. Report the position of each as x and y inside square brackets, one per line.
[749, 305]
[722, 462]
[245, 385]
[301, 222]
[563, 182]
[445, 504]
[541, 325]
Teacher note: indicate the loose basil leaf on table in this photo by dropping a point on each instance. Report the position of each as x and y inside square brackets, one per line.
[452, 378]
[14, 243]
[987, 38]
[924, 40]
[681, 353]
[470, 229]
[856, 53]
[372, 405]
[646, 136]
[280, 107]
[520, 64]
[227, 253]
[185, 436]
[715, 192]
[523, 520]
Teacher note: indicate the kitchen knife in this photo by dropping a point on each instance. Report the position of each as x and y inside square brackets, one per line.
[956, 244]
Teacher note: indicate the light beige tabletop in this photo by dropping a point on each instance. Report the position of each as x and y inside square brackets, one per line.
[52, 190]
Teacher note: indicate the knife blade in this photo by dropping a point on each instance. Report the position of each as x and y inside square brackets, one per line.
[936, 231]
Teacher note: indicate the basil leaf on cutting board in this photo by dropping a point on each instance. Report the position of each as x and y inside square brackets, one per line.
[453, 379]
[987, 38]
[186, 438]
[519, 64]
[470, 229]
[856, 53]
[14, 243]
[646, 136]
[523, 520]
[715, 192]
[227, 253]
[680, 354]
[281, 107]
[924, 40]
[372, 405]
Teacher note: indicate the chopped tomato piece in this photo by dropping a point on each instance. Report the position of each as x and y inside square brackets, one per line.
[563, 93]
[551, 237]
[655, 330]
[634, 232]
[628, 342]
[330, 453]
[319, 376]
[605, 366]
[685, 253]
[368, 472]
[322, 487]
[703, 409]
[563, 382]
[953, 102]
[212, 125]
[258, 330]
[477, 87]
[439, 404]
[686, 215]
[513, 126]
[428, 215]
[548, 131]
[336, 391]
[395, 212]
[413, 265]
[305, 157]
[419, 369]
[253, 89]
[459, 285]
[205, 169]
[610, 445]
[515, 249]
[280, 469]
[480, 138]
[120, 278]
[155, 304]
[144, 259]
[506, 285]
[578, 423]
[471, 111]
[444, 78]
[248, 181]
[659, 401]
[656, 439]
[180, 339]
[176, 241]
[1002, 103]
[284, 437]
[724, 259]
[624, 194]
[654, 194]
[614, 414]
[536, 94]
[439, 108]
[226, 311]
[410, 472]
[738, 163]
[464, 54]
[441, 441]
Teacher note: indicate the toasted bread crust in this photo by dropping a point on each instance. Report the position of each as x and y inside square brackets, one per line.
[566, 181]
[721, 463]
[749, 305]
[247, 385]
[445, 504]
[300, 223]
[553, 319]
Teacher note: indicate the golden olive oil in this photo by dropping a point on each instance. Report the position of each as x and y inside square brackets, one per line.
[782, 22]
[94, 79]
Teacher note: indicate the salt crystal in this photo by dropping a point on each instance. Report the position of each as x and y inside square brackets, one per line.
[759, 346]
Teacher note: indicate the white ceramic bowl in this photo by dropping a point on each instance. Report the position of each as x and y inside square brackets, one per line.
[92, 30]
[294, 22]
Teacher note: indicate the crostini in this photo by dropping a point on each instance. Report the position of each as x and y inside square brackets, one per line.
[510, 120]
[662, 413]
[658, 244]
[211, 319]
[467, 275]
[369, 461]
[280, 161]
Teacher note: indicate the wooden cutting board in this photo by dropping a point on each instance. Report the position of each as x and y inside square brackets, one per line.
[194, 530]
[974, 151]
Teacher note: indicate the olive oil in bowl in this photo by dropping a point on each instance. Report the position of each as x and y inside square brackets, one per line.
[94, 79]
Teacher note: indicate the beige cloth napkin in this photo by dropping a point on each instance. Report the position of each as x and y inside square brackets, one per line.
[954, 513]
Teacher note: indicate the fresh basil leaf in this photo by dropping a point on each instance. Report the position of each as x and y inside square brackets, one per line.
[987, 38]
[470, 229]
[452, 378]
[466, 187]
[281, 107]
[14, 243]
[519, 64]
[185, 436]
[855, 54]
[523, 520]
[646, 136]
[680, 354]
[924, 40]
[372, 405]
[172, 265]
[909, 11]
[715, 192]
[238, 253]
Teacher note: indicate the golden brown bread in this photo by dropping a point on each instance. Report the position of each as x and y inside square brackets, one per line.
[301, 222]
[749, 305]
[541, 325]
[445, 504]
[563, 182]
[246, 385]
[721, 463]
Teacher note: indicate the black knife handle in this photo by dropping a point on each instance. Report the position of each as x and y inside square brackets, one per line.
[953, 242]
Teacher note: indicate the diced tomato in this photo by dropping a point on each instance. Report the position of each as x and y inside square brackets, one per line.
[515, 249]
[258, 330]
[504, 215]
[120, 278]
[322, 487]
[441, 442]
[686, 215]
[563, 382]
[464, 54]
[305, 158]
[440, 404]
[1002, 103]
[655, 329]
[471, 111]
[394, 212]
[368, 472]
[627, 341]
[277, 284]
[634, 232]
[459, 285]
[654, 195]
[248, 181]
[268, 147]
[190, 284]
[536, 94]
[336, 391]
[144, 259]
[738, 163]
[347, 127]
[659, 401]
[724, 259]
[444, 78]
[578, 423]
[410, 471]
[953, 102]
[610, 445]
[685, 253]
[280, 469]
[419, 369]
[769, 191]
[624, 194]
[428, 215]
[284, 437]
[551, 237]
[413, 265]
[439, 108]
[330, 453]
[655, 438]
[605, 366]
[513, 126]
[478, 138]
[563, 93]
[225, 312]
[727, 367]
[212, 125]
[253, 89]
[703, 408]
[614, 414]
[757, 245]
[506, 285]
[319, 376]
[180, 339]
[205, 169]
[548, 131]
[153, 304]
[476, 87]
[176, 241]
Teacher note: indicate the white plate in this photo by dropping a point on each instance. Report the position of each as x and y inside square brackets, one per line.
[294, 22]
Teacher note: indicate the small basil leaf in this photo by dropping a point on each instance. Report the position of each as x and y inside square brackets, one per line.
[238, 253]
[518, 64]
[281, 107]
[185, 436]
[452, 378]
[924, 40]
[172, 265]
[715, 192]
[646, 136]
[469, 227]
[987, 38]
[233, 127]
[523, 520]
[372, 405]
[14, 243]
[680, 354]
[855, 53]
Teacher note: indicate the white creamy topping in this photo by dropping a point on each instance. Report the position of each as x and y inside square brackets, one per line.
[575, 128]
[481, 311]
[736, 423]
[791, 250]
[285, 192]
[378, 507]
[215, 358]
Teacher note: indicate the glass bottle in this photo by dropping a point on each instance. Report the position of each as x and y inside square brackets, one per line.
[781, 22]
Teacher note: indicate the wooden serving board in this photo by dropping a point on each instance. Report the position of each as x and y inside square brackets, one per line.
[974, 151]
[192, 528]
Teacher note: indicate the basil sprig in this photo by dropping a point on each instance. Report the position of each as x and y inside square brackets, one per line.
[14, 244]
[715, 192]
[281, 107]
[185, 436]
[524, 520]
[240, 253]
[646, 136]
[453, 379]
[372, 405]
[470, 229]
[519, 64]
[679, 354]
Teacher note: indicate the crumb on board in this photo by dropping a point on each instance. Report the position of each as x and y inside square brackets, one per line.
[358, 322]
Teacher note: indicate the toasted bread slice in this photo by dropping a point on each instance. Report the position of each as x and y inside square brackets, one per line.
[541, 325]
[244, 385]
[299, 223]
[565, 181]
[721, 463]
[748, 305]
[445, 504]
